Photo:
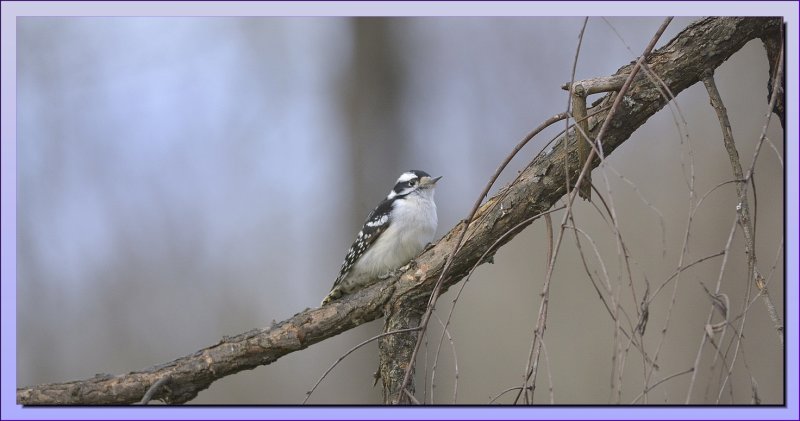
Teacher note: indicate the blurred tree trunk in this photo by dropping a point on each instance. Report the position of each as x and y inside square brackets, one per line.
[374, 86]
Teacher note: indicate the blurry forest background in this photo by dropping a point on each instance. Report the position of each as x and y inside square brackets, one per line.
[181, 179]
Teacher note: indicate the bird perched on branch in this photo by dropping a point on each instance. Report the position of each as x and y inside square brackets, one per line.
[396, 231]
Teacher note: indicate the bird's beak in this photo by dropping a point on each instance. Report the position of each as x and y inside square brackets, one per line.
[430, 182]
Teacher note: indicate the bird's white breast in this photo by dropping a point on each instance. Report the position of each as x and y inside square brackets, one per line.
[412, 227]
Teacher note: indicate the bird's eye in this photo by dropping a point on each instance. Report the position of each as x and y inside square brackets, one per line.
[412, 183]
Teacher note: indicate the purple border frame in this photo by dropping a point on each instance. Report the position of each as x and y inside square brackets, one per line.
[10, 10]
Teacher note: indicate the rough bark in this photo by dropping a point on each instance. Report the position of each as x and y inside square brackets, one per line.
[396, 350]
[773, 43]
[701, 47]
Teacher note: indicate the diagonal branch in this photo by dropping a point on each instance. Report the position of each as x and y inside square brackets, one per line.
[702, 46]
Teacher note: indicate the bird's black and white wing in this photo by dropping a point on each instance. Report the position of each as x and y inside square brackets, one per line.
[377, 223]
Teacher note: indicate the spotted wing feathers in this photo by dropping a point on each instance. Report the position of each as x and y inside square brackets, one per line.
[377, 222]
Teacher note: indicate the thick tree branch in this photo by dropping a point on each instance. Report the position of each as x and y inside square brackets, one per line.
[773, 43]
[701, 47]
[399, 349]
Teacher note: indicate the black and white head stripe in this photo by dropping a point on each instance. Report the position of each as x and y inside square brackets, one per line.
[408, 182]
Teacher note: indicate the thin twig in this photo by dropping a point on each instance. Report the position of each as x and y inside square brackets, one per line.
[578, 102]
[541, 323]
[580, 120]
[510, 389]
[598, 141]
[711, 313]
[667, 93]
[649, 205]
[490, 249]
[153, 389]
[654, 385]
[353, 349]
[411, 397]
[776, 319]
[436, 360]
[742, 208]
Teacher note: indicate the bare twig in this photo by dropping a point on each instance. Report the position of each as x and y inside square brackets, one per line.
[411, 397]
[578, 99]
[491, 248]
[598, 141]
[510, 389]
[445, 331]
[536, 344]
[596, 85]
[710, 315]
[742, 208]
[776, 92]
[654, 385]
[153, 389]
[353, 349]
[582, 121]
